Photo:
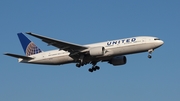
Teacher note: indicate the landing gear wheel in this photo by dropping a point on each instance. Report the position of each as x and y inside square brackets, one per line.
[93, 68]
[149, 56]
[90, 70]
[150, 52]
[78, 65]
[97, 67]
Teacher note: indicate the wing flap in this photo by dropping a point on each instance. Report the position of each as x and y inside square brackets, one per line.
[62, 45]
[19, 56]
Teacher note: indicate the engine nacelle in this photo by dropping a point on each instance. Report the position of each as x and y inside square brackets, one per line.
[119, 60]
[97, 51]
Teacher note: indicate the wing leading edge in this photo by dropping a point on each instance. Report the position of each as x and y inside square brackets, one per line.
[62, 45]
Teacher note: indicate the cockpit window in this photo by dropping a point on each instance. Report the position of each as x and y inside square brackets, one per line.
[156, 39]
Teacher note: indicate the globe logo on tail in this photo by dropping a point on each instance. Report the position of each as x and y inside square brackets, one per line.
[32, 49]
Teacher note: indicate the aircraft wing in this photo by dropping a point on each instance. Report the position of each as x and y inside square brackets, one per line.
[62, 45]
[19, 56]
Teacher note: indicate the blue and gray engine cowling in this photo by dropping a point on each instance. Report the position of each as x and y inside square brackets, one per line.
[118, 60]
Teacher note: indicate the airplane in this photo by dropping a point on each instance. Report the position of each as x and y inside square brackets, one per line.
[112, 52]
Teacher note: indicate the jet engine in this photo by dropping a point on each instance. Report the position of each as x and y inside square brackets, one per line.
[118, 60]
[97, 51]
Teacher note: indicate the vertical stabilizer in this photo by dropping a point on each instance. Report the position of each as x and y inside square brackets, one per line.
[28, 46]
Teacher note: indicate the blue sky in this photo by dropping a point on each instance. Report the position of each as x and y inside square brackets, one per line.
[83, 22]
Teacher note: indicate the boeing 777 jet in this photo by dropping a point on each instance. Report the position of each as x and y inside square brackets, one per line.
[112, 52]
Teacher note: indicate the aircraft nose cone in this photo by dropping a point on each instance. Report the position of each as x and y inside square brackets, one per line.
[161, 42]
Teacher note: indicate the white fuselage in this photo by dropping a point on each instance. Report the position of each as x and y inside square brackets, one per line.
[112, 48]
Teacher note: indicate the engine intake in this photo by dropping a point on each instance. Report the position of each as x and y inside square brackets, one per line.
[97, 51]
[119, 60]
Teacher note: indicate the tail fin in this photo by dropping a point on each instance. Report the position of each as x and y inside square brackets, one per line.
[29, 47]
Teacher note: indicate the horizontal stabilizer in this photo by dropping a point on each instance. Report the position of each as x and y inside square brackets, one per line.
[19, 56]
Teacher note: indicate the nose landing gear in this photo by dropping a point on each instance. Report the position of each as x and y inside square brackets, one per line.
[149, 56]
[150, 52]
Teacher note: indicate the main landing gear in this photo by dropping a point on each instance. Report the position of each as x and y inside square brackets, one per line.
[150, 52]
[94, 67]
[80, 61]
[78, 65]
